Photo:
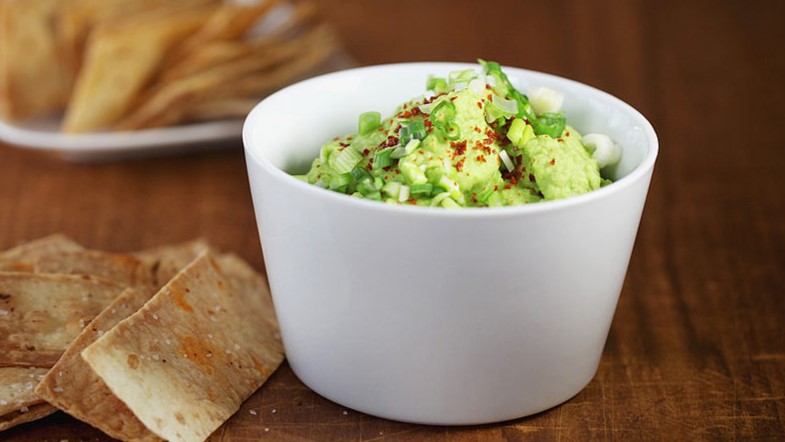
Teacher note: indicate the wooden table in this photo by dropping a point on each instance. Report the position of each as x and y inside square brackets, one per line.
[697, 346]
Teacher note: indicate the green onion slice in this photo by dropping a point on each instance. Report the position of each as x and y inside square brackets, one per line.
[550, 124]
[369, 121]
[343, 161]
[383, 158]
[414, 129]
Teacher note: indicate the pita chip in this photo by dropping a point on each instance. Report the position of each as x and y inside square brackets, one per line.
[21, 258]
[74, 388]
[122, 57]
[41, 314]
[18, 402]
[166, 261]
[33, 79]
[126, 270]
[189, 357]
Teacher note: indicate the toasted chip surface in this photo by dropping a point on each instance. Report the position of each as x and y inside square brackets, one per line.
[186, 360]
[166, 261]
[18, 402]
[22, 257]
[126, 270]
[122, 57]
[41, 314]
[72, 386]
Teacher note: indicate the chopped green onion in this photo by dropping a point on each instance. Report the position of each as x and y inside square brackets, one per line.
[505, 157]
[383, 158]
[403, 194]
[437, 200]
[515, 132]
[485, 195]
[507, 106]
[421, 189]
[436, 84]
[402, 151]
[504, 87]
[411, 173]
[392, 189]
[449, 203]
[443, 113]
[359, 173]
[366, 187]
[550, 124]
[375, 195]
[340, 182]
[452, 131]
[343, 161]
[412, 130]
[452, 187]
[369, 121]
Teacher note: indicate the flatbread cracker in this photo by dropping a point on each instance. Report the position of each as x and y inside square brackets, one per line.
[22, 257]
[41, 314]
[74, 388]
[33, 79]
[18, 402]
[123, 56]
[167, 261]
[126, 270]
[214, 348]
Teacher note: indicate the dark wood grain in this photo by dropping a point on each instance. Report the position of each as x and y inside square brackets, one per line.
[697, 346]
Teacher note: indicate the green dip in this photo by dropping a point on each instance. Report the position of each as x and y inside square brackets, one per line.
[475, 141]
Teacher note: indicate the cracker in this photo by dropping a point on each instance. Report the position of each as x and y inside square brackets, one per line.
[214, 348]
[123, 56]
[18, 402]
[41, 314]
[74, 388]
[126, 270]
[22, 257]
[166, 261]
[34, 82]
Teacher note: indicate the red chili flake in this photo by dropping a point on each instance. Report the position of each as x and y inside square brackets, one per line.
[479, 104]
[453, 97]
[474, 198]
[487, 149]
[318, 176]
[560, 139]
[459, 165]
[318, 165]
[405, 105]
[508, 186]
[343, 144]
[391, 141]
[477, 129]
[481, 158]
[492, 135]
[496, 187]
[553, 161]
[366, 152]
[349, 138]
[459, 146]
[531, 177]
[567, 134]
[397, 128]
[340, 149]
[405, 114]
[490, 96]
[428, 125]
[487, 86]
[416, 111]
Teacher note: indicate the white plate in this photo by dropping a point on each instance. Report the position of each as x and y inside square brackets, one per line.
[44, 134]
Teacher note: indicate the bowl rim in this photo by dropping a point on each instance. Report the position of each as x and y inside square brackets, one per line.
[645, 167]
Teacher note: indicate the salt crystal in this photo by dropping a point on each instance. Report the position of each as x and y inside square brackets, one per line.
[3, 312]
[58, 389]
[217, 308]
[24, 410]
[3, 402]
[156, 357]
[227, 351]
[344, 412]
[236, 346]
[81, 323]
[252, 412]
[209, 335]
[31, 375]
[100, 333]
[114, 310]
[155, 316]
[274, 411]
[168, 341]
[266, 429]
[209, 354]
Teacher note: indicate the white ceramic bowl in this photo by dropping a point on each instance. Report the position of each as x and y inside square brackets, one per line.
[431, 315]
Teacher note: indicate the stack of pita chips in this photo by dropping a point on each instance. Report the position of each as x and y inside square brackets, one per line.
[162, 344]
[131, 65]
